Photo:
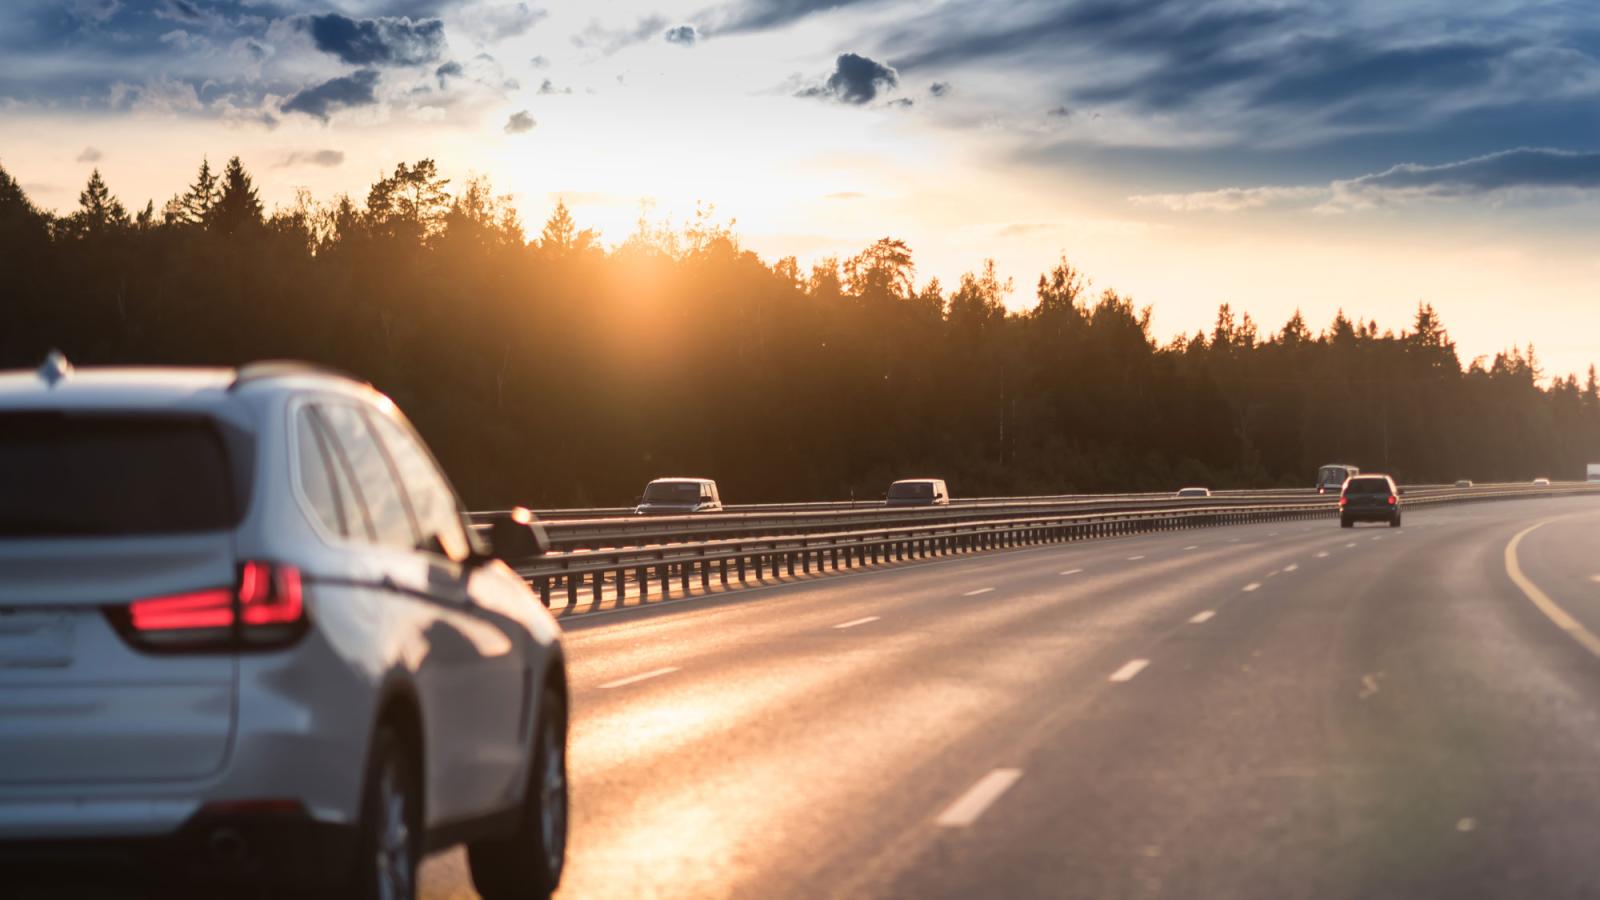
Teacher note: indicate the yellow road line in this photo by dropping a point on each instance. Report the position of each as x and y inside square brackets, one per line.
[1553, 612]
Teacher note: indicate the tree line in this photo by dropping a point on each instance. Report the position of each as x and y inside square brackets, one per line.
[554, 370]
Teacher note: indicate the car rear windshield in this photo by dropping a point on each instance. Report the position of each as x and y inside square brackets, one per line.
[672, 492]
[112, 475]
[911, 490]
[1368, 486]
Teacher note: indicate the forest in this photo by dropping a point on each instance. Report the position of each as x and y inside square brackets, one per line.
[551, 370]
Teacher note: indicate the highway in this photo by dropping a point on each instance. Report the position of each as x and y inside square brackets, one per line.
[1284, 710]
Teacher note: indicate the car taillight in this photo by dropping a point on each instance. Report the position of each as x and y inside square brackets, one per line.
[1393, 499]
[265, 609]
[1343, 499]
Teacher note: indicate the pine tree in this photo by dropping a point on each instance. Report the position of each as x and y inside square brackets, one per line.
[197, 202]
[98, 212]
[238, 207]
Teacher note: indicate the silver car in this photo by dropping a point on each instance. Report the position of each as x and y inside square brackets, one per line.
[247, 636]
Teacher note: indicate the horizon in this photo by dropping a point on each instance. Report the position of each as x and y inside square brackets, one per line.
[1185, 156]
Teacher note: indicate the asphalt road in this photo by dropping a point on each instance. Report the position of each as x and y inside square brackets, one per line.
[1278, 711]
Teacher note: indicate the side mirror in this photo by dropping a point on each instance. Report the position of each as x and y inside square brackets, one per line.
[518, 535]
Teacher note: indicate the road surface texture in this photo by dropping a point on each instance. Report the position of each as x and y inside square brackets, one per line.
[1287, 710]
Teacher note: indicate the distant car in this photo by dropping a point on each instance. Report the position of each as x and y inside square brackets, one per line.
[918, 492]
[1464, 483]
[1194, 492]
[1333, 476]
[1541, 482]
[248, 638]
[1370, 498]
[679, 497]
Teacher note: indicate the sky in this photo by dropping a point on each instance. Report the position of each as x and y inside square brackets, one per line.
[1364, 155]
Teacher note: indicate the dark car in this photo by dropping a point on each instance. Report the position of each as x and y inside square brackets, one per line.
[679, 497]
[1370, 498]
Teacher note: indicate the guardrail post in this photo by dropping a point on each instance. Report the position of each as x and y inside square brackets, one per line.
[572, 590]
[705, 575]
[544, 592]
[788, 563]
[664, 573]
[722, 565]
[683, 576]
[622, 586]
[755, 560]
[742, 578]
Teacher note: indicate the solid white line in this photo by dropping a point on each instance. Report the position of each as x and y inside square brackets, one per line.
[636, 678]
[1135, 558]
[978, 798]
[977, 592]
[1131, 668]
[1199, 617]
[1071, 572]
[1254, 585]
[854, 622]
[1292, 567]
[1562, 619]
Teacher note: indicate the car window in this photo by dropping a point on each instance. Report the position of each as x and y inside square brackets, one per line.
[432, 501]
[316, 475]
[385, 504]
[1368, 486]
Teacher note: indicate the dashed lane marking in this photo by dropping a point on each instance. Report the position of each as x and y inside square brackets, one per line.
[978, 798]
[1129, 669]
[854, 622]
[1135, 558]
[1292, 567]
[1071, 572]
[1200, 617]
[1252, 586]
[977, 592]
[633, 679]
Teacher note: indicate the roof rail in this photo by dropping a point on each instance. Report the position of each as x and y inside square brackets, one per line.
[284, 368]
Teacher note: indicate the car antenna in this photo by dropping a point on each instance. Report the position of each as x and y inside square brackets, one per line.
[55, 367]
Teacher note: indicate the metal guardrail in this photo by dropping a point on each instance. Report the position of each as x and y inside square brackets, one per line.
[748, 557]
[604, 533]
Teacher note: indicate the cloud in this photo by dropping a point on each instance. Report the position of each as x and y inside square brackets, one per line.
[938, 88]
[186, 12]
[539, 62]
[520, 122]
[548, 88]
[324, 158]
[90, 155]
[384, 41]
[451, 69]
[902, 103]
[609, 40]
[682, 35]
[855, 79]
[497, 23]
[1233, 199]
[355, 89]
[1060, 112]
[1521, 171]
[762, 15]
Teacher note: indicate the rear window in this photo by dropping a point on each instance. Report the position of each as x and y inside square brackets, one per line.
[113, 475]
[911, 490]
[1368, 486]
[672, 492]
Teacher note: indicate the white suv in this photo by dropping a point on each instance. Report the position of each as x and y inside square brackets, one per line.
[247, 636]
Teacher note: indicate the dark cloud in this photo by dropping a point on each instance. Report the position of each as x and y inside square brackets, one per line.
[549, 88]
[384, 41]
[902, 103]
[761, 15]
[855, 79]
[451, 69]
[1060, 112]
[520, 123]
[682, 35]
[184, 11]
[90, 155]
[1525, 168]
[324, 158]
[539, 62]
[355, 89]
[938, 88]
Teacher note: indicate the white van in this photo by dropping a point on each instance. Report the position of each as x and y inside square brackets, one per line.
[918, 492]
[678, 497]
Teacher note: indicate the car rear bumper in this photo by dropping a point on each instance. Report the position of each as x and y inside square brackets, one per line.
[213, 850]
[1370, 514]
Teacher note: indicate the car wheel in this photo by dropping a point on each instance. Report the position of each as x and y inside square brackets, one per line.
[1395, 522]
[390, 831]
[528, 863]
[1345, 523]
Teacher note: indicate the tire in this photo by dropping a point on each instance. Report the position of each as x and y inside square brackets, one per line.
[1346, 523]
[389, 845]
[528, 864]
[1395, 522]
